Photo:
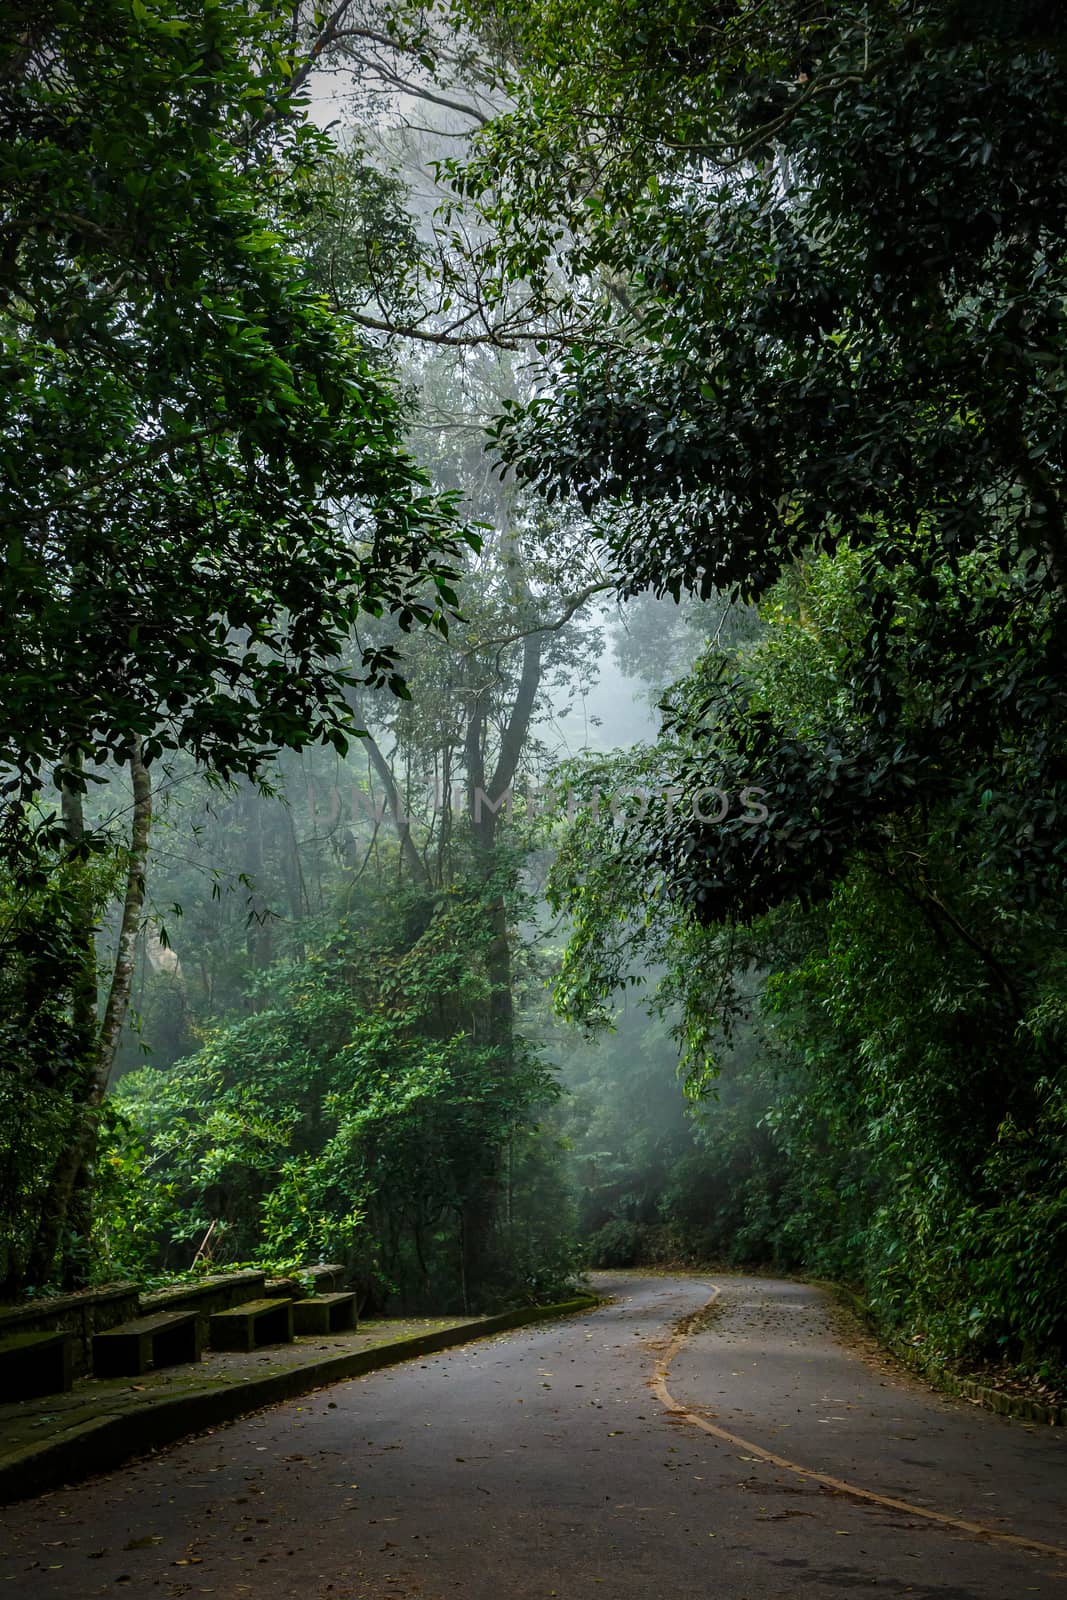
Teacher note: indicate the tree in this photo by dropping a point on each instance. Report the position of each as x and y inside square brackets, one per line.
[906, 1115]
[838, 245]
[838, 237]
[385, 853]
[468, 741]
[356, 1112]
[205, 478]
[183, 408]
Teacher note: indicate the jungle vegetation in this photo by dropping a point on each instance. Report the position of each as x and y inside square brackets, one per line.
[713, 352]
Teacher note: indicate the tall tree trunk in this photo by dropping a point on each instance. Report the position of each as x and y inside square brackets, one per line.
[84, 986]
[292, 875]
[479, 1231]
[484, 820]
[397, 810]
[259, 929]
[83, 998]
[118, 1000]
[77, 1159]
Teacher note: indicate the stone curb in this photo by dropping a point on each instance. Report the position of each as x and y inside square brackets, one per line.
[106, 1442]
[1016, 1406]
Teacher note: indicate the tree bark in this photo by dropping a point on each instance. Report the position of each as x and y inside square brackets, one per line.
[78, 1157]
[84, 987]
[118, 1000]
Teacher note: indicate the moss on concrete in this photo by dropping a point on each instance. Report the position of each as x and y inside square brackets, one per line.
[101, 1424]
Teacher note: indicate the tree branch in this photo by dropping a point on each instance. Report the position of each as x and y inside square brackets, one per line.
[572, 604]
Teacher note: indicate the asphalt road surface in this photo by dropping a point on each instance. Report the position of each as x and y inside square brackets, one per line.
[573, 1460]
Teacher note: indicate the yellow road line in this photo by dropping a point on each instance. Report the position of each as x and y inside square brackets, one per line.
[837, 1485]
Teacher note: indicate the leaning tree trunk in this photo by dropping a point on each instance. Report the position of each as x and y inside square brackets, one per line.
[83, 1001]
[83, 987]
[74, 1170]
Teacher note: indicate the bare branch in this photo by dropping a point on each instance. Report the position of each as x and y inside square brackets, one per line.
[327, 36]
[572, 604]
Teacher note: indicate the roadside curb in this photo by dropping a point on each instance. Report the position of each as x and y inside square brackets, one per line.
[1018, 1407]
[107, 1441]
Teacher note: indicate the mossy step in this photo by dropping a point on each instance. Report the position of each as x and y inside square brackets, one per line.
[170, 1338]
[249, 1326]
[325, 1313]
[34, 1364]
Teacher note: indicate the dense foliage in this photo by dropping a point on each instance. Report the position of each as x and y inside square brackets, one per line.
[183, 409]
[205, 482]
[840, 245]
[904, 1124]
[821, 254]
[794, 276]
[837, 239]
[358, 1114]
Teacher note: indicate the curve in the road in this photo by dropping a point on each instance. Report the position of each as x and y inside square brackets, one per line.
[837, 1485]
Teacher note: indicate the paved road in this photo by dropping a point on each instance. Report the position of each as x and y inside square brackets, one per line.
[543, 1464]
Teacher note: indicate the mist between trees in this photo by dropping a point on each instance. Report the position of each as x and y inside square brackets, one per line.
[533, 716]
